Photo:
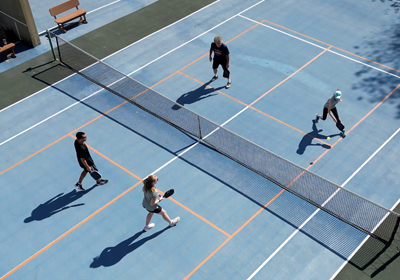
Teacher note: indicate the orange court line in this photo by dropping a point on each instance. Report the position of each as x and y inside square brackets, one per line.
[194, 61]
[237, 100]
[68, 232]
[259, 211]
[110, 160]
[291, 75]
[198, 216]
[255, 109]
[42, 149]
[331, 46]
[103, 114]
[236, 232]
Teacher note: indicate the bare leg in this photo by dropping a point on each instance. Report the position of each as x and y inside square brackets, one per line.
[148, 218]
[215, 71]
[83, 175]
[165, 216]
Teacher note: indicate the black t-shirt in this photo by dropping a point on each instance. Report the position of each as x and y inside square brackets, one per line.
[219, 53]
[82, 151]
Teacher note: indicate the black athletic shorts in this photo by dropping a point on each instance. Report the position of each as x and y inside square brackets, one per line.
[157, 210]
[94, 167]
[218, 62]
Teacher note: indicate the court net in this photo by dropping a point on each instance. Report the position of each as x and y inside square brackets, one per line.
[366, 216]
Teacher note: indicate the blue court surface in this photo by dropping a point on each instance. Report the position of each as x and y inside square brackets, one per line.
[286, 59]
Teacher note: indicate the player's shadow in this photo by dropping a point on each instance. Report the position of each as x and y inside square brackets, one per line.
[56, 204]
[196, 95]
[112, 255]
[314, 134]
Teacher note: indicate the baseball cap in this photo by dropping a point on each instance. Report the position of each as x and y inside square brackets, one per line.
[338, 94]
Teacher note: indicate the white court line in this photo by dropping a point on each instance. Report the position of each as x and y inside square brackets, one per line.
[154, 172]
[43, 32]
[127, 75]
[112, 53]
[318, 46]
[238, 14]
[75, 74]
[161, 29]
[398, 201]
[305, 222]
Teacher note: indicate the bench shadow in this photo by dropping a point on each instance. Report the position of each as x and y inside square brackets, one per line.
[314, 134]
[112, 255]
[196, 95]
[57, 204]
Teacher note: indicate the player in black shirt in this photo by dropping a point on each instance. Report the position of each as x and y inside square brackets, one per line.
[85, 160]
[221, 56]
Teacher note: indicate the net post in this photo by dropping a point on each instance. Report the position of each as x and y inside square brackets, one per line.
[198, 123]
[51, 44]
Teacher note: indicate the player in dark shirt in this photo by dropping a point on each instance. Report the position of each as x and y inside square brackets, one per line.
[85, 160]
[221, 56]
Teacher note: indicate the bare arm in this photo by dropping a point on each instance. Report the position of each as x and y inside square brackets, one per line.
[155, 201]
[227, 61]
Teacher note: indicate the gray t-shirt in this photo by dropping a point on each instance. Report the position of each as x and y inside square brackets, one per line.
[148, 196]
[334, 102]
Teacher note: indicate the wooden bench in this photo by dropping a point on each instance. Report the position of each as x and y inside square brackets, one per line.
[10, 48]
[59, 9]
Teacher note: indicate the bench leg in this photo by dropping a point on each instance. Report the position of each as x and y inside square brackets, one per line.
[83, 19]
[11, 54]
[61, 27]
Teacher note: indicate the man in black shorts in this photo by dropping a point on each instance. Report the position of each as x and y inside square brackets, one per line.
[85, 160]
[221, 56]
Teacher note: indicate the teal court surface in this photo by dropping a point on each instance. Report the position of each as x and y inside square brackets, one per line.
[261, 191]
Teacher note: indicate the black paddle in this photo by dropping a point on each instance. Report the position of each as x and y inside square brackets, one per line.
[168, 193]
[340, 126]
[226, 73]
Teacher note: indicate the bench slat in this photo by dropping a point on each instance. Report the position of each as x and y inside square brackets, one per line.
[7, 47]
[71, 16]
[59, 9]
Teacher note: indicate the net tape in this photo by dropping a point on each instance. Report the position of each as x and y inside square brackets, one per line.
[366, 216]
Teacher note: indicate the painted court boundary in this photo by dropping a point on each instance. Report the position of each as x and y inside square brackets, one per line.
[316, 211]
[353, 127]
[109, 203]
[98, 211]
[239, 14]
[120, 49]
[131, 72]
[282, 190]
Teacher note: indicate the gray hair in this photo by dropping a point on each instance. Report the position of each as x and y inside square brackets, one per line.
[217, 39]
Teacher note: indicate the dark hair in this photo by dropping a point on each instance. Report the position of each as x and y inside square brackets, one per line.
[79, 135]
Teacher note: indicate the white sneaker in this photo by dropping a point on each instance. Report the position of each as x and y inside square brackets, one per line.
[174, 221]
[146, 228]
